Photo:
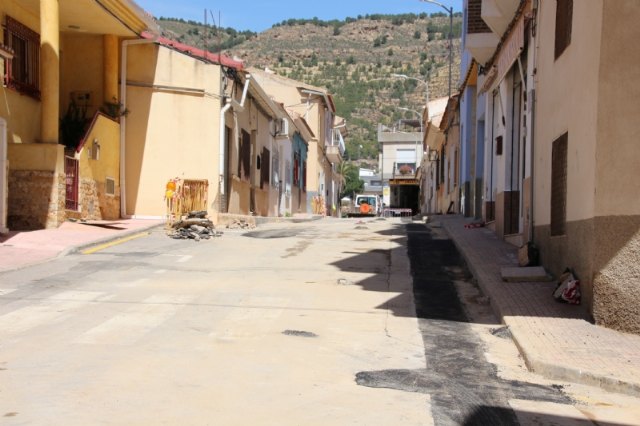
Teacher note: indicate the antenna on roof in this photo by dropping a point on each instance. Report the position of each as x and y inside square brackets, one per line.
[217, 29]
[204, 36]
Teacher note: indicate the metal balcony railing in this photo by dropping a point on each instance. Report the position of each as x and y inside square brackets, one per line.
[338, 141]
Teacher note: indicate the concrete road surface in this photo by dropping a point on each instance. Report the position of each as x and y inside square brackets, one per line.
[298, 324]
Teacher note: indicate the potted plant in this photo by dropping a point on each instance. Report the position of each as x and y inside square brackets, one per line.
[73, 125]
[405, 169]
[114, 109]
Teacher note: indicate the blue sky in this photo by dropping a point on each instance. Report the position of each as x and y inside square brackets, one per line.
[261, 15]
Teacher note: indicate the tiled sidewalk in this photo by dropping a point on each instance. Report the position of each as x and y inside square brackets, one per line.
[21, 249]
[556, 340]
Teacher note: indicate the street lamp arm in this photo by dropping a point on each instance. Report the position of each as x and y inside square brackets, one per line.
[406, 77]
[409, 110]
[437, 3]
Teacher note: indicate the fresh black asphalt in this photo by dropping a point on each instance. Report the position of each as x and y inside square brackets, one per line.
[464, 387]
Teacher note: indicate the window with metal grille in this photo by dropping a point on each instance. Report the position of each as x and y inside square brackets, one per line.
[110, 186]
[559, 185]
[564, 16]
[265, 169]
[296, 169]
[244, 157]
[22, 72]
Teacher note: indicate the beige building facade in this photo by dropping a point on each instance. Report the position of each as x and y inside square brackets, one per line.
[326, 147]
[172, 129]
[431, 200]
[586, 153]
[554, 109]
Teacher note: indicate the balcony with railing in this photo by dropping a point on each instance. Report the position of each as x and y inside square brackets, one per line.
[335, 150]
[402, 170]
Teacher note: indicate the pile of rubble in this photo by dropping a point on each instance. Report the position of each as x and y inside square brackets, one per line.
[240, 224]
[195, 227]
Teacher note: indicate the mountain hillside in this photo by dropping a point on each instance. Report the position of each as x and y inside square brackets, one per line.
[355, 59]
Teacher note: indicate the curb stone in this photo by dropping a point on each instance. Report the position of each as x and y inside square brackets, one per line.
[520, 337]
[78, 248]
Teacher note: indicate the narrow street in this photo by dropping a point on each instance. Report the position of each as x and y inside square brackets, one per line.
[310, 323]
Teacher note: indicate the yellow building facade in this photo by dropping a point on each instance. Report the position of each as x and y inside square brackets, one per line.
[60, 68]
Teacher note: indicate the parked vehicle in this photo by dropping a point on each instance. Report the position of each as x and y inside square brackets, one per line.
[365, 206]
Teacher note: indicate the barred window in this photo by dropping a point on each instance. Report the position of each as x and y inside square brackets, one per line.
[244, 157]
[296, 169]
[265, 169]
[564, 16]
[22, 72]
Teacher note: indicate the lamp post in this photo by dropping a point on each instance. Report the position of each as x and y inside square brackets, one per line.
[406, 77]
[450, 12]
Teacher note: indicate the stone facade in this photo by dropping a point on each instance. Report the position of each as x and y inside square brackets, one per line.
[605, 254]
[36, 199]
[95, 204]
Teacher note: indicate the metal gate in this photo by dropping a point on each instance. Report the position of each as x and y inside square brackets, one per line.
[71, 183]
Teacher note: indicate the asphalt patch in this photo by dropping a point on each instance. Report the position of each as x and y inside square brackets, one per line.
[273, 233]
[502, 332]
[464, 387]
[299, 333]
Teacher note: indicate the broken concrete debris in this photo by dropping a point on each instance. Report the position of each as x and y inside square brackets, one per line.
[195, 227]
[240, 224]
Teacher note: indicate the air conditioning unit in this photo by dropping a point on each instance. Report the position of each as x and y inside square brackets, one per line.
[282, 127]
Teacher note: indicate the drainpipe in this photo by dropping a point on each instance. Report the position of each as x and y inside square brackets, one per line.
[123, 120]
[537, 5]
[237, 106]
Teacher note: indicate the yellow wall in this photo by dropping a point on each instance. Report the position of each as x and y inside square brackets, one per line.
[567, 100]
[82, 63]
[169, 133]
[45, 157]
[107, 132]
[21, 112]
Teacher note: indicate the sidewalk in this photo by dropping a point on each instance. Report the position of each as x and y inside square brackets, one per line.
[555, 339]
[19, 249]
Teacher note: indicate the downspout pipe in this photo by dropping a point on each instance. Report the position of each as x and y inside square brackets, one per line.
[237, 106]
[123, 120]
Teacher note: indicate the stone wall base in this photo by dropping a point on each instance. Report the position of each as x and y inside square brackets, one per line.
[95, 204]
[605, 254]
[36, 200]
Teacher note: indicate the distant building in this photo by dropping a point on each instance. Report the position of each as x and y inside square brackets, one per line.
[400, 156]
